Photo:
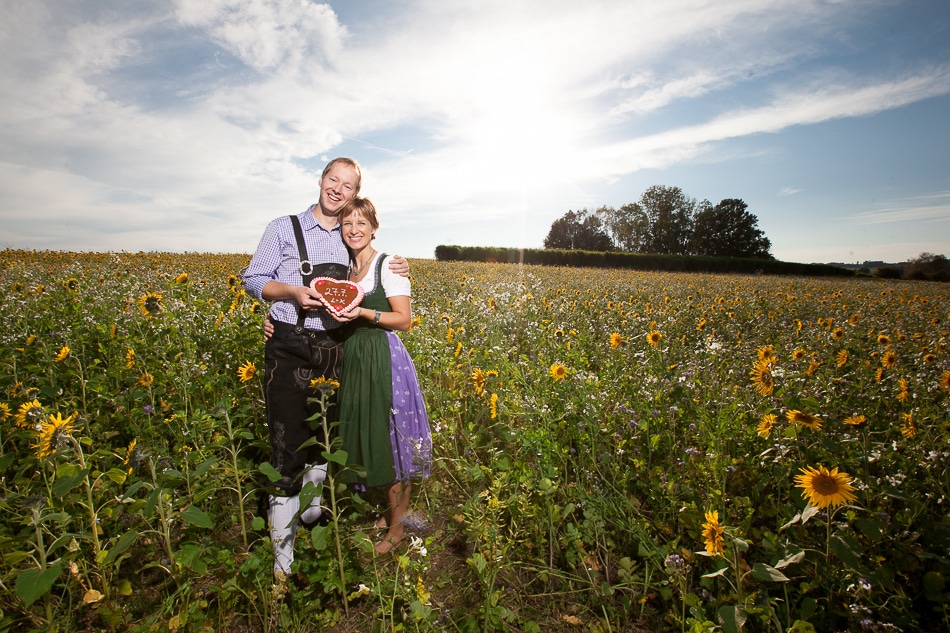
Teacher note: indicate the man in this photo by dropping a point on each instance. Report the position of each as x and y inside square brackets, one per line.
[306, 344]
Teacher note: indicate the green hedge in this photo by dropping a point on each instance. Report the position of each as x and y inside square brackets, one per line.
[636, 261]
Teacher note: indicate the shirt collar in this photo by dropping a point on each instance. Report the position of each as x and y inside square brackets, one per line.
[308, 222]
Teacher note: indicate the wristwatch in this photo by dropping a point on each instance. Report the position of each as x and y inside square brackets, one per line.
[376, 318]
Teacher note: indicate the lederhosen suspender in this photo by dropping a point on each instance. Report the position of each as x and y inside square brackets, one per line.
[309, 271]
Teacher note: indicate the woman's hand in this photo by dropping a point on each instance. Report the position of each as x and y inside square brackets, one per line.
[343, 317]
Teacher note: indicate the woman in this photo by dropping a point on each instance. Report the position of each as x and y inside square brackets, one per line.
[383, 420]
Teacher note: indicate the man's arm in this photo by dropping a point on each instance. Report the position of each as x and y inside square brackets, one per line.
[263, 267]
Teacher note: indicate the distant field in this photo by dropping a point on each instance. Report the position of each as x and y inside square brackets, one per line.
[615, 451]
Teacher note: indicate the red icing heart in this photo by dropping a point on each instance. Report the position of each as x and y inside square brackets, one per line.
[340, 295]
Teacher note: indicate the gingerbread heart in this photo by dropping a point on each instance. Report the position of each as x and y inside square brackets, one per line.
[339, 295]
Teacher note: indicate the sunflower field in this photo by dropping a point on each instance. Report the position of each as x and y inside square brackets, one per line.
[614, 451]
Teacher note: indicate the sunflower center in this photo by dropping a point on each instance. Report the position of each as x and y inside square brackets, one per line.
[826, 485]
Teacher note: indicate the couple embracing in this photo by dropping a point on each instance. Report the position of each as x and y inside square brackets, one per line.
[380, 407]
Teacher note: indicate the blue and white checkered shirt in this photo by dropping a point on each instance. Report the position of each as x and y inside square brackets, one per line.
[277, 259]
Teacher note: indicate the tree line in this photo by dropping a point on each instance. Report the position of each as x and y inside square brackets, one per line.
[664, 221]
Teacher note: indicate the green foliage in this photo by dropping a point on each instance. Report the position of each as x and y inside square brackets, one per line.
[728, 230]
[636, 261]
[578, 230]
[665, 222]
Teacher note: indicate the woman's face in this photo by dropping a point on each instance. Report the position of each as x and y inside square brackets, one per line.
[357, 231]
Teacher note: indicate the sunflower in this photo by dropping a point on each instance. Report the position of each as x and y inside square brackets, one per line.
[654, 337]
[493, 406]
[130, 359]
[146, 380]
[765, 426]
[63, 354]
[28, 412]
[52, 434]
[324, 385]
[825, 487]
[71, 284]
[247, 371]
[131, 456]
[883, 339]
[855, 420]
[842, 358]
[837, 334]
[889, 359]
[879, 374]
[944, 381]
[908, 429]
[150, 304]
[449, 335]
[4, 411]
[766, 354]
[813, 366]
[478, 377]
[182, 278]
[712, 534]
[799, 354]
[810, 421]
[558, 371]
[233, 281]
[458, 350]
[615, 340]
[904, 395]
[761, 375]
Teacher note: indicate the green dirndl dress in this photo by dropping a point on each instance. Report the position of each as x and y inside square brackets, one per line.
[370, 424]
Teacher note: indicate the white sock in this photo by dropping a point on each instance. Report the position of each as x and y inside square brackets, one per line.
[314, 475]
[282, 516]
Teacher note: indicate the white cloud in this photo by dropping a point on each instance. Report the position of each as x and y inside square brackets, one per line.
[268, 34]
[927, 208]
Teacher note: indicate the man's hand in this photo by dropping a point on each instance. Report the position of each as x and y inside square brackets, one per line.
[308, 298]
[399, 265]
[268, 327]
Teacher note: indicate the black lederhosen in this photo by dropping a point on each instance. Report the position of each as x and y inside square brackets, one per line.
[293, 357]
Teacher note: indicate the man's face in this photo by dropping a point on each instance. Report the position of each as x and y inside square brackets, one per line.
[337, 188]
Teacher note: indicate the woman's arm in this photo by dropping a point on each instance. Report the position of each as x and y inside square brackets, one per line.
[398, 318]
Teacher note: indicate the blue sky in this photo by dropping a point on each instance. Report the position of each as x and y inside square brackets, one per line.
[186, 125]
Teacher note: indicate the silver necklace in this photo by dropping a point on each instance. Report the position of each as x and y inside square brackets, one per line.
[359, 271]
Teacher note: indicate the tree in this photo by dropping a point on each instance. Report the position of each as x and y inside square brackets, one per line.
[578, 230]
[728, 230]
[628, 226]
[669, 215]
[928, 266]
